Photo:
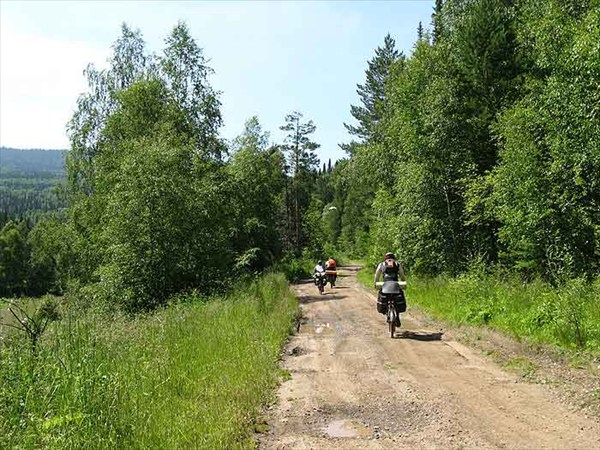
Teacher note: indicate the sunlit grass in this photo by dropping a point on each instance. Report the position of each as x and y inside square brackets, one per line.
[194, 375]
[566, 317]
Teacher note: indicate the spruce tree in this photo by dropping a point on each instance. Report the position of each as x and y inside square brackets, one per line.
[436, 19]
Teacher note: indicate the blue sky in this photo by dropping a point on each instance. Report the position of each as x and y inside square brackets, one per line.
[270, 58]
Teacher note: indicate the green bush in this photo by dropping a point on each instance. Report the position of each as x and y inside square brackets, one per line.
[296, 269]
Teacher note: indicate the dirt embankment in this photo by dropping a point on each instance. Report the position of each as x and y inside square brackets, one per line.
[352, 386]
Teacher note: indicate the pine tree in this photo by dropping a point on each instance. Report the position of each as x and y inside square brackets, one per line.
[302, 161]
[372, 93]
[420, 31]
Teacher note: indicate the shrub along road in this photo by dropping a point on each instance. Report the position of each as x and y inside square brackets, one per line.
[352, 386]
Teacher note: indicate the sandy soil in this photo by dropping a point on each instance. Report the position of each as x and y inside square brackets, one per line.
[354, 387]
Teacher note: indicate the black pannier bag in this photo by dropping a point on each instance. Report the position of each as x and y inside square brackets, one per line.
[381, 304]
[399, 302]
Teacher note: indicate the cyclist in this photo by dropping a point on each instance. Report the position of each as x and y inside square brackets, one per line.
[331, 270]
[391, 271]
[319, 267]
[331, 264]
[319, 273]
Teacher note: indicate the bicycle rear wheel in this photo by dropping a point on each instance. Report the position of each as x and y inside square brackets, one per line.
[392, 320]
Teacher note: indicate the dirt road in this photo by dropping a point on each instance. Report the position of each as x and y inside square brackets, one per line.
[354, 387]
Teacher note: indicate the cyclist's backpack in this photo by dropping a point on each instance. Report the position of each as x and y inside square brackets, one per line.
[390, 270]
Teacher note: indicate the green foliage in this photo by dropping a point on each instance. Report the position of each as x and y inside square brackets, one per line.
[185, 70]
[297, 268]
[358, 179]
[150, 197]
[258, 179]
[353, 195]
[330, 222]
[313, 226]
[29, 196]
[55, 254]
[196, 374]
[547, 187]
[14, 257]
[366, 275]
[301, 156]
[302, 164]
[38, 260]
[154, 208]
[487, 145]
[152, 228]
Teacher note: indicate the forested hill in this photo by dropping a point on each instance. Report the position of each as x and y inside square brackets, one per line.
[31, 161]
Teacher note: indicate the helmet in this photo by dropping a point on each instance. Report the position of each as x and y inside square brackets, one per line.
[389, 255]
[319, 262]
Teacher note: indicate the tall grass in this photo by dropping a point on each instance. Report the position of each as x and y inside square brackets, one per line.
[566, 317]
[194, 375]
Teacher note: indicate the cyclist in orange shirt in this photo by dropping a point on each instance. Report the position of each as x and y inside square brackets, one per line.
[331, 271]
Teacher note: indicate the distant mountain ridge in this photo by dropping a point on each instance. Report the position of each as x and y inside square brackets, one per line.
[32, 161]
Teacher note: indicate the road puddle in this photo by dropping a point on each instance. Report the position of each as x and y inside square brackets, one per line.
[346, 429]
[319, 328]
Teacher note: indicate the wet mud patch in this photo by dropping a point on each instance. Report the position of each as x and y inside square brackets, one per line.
[381, 418]
[346, 429]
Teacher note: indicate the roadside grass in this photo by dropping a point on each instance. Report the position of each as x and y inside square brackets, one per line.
[366, 276]
[521, 365]
[194, 375]
[567, 317]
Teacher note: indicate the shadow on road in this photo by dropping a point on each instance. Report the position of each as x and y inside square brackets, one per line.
[420, 335]
[328, 295]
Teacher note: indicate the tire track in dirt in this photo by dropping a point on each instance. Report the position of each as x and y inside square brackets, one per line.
[353, 387]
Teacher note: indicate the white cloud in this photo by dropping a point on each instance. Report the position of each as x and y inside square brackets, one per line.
[40, 79]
